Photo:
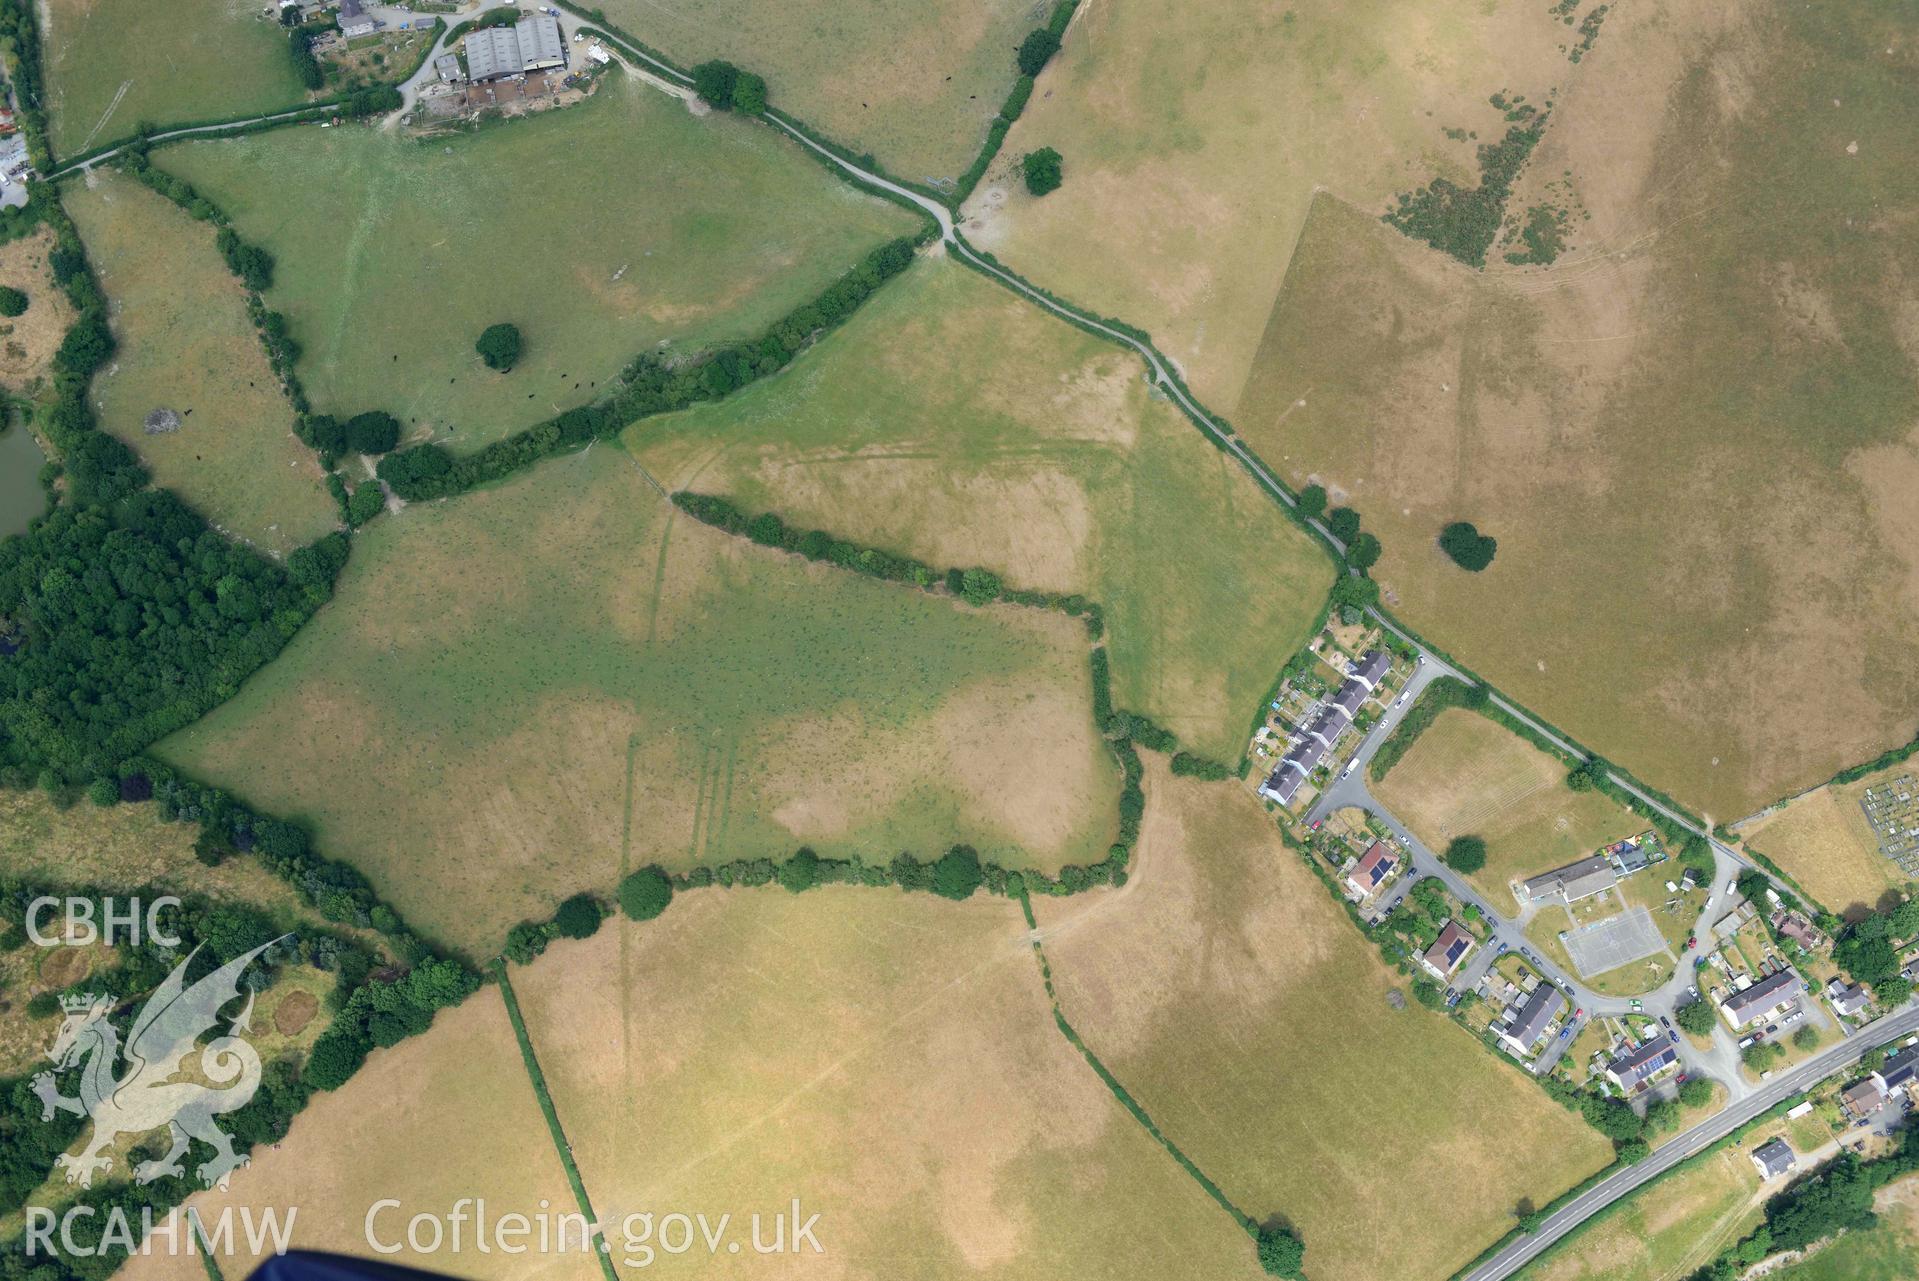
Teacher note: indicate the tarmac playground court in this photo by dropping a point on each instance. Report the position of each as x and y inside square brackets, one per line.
[1613, 942]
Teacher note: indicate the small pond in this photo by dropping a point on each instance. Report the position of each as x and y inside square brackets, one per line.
[21, 498]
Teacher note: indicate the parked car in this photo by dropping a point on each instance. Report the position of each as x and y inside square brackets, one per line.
[1674, 1036]
[1401, 700]
[1663, 1019]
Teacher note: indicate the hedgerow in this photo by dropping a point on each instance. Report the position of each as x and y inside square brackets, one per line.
[648, 386]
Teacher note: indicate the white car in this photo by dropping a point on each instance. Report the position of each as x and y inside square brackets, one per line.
[1401, 701]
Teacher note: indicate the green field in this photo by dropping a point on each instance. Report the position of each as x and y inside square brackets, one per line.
[1694, 443]
[915, 82]
[602, 231]
[952, 421]
[186, 343]
[115, 64]
[889, 1059]
[522, 693]
[1231, 993]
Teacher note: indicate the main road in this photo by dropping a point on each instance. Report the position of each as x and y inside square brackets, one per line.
[1608, 1190]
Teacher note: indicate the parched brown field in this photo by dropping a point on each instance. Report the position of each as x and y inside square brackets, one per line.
[1694, 437]
[1823, 841]
[915, 82]
[445, 1115]
[1193, 141]
[186, 343]
[525, 692]
[952, 421]
[888, 1059]
[1249, 1018]
[1469, 776]
[28, 341]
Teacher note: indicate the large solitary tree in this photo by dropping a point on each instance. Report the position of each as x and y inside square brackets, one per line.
[500, 346]
[1470, 549]
[1042, 170]
[1466, 854]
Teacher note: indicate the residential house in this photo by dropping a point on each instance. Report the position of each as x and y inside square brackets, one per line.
[1793, 926]
[1527, 1019]
[1370, 872]
[1448, 953]
[356, 21]
[1370, 669]
[1322, 730]
[1900, 1070]
[1774, 1159]
[1573, 882]
[1636, 1069]
[447, 67]
[1284, 782]
[1765, 1000]
[1865, 1098]
[1848, 1000]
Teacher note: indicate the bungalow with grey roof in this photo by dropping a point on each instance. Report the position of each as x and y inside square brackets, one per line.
[1774, 1159]
[1848, 1000]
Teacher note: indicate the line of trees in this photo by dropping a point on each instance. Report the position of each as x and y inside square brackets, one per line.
[1034, 52]
[1837, 1199]
[725, 87]
[649, 386]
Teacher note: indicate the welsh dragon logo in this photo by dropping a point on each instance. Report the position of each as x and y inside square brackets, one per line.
[150, 1095]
